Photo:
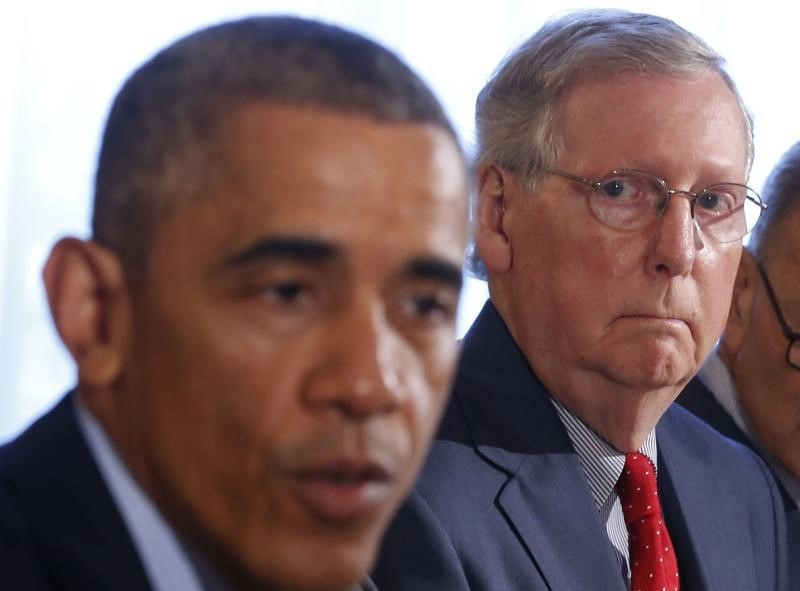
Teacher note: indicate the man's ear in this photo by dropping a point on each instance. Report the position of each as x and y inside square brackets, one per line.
[88, 299]
[491, 236]
[740, 314]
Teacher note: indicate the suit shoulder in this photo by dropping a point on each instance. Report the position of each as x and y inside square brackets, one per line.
[20, 561]
[726, 459]
[682, 424]
[454, 453]
[24, 463]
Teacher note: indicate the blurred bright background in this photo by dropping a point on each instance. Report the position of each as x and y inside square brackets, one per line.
[62, 62]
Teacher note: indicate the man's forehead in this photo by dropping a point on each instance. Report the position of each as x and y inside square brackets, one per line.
[626, 114]
[293, 159]
[782, 239]
[287, 137]
[310, 119]
[310, 200]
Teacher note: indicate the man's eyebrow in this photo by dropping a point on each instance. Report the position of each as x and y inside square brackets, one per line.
[437, 269]
[286, 247]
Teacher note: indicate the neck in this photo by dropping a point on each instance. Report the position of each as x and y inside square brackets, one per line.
[622, 415]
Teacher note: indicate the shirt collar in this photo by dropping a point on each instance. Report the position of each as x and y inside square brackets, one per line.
[163, 556]
[601, 462]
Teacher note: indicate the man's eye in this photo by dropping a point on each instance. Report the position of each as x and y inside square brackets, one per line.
[716, 202]
[289, 292]
[614, 188]
[433, 306]
[629, 189]
[623, 189]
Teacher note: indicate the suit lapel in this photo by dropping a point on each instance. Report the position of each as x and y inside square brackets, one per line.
[546, 499]
[793, 530]
[548, 503]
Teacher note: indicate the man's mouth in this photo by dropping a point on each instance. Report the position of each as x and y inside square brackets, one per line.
[666, 320]
[343, 489]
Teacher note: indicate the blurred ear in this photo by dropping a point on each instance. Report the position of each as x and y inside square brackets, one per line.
[740, 314]
[86, 290]
[491, 237]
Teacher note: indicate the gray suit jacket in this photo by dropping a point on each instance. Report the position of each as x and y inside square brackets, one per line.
[701, 402]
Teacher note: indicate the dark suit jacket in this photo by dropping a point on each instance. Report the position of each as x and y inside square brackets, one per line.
[59, 526]
[57, 516]
[503, 504]
[701, 402]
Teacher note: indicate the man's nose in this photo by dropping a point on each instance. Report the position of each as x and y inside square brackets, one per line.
[677, 237]
[359, 376]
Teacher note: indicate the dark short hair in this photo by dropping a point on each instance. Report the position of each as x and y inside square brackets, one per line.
[162, 127]
[781, 193]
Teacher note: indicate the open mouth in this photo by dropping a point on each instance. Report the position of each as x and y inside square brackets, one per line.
[343, 490]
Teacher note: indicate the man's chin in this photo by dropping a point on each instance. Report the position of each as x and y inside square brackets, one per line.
[654, 368]
[332, 566]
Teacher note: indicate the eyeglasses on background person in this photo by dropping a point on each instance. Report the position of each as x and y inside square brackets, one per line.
[630, 199]
[793, 350]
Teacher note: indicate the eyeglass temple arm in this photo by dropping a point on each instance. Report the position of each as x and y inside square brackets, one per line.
[787, 330]
[573, 177]
[758, 202]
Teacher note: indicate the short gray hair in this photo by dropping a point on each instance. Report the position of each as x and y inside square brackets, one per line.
[517, 109]
[781, 193]
[159, 141]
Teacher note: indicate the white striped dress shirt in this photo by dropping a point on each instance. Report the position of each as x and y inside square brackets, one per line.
[602, 464]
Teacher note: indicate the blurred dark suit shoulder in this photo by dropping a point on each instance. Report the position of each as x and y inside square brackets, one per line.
[59, 526]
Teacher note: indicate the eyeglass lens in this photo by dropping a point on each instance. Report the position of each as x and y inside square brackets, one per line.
[634, 199]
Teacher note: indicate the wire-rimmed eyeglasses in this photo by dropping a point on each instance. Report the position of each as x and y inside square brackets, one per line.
[793, 350]
[630, 199]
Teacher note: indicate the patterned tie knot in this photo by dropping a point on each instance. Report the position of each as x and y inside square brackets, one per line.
[637, 488]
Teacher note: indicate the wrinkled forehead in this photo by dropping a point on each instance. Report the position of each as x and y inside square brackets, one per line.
[613, 108]
[585, 83]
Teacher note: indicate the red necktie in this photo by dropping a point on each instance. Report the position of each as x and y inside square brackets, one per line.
[653, 563]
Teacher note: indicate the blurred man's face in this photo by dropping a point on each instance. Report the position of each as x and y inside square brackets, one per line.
[293, 341]
[605, 315]
[769, 388]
